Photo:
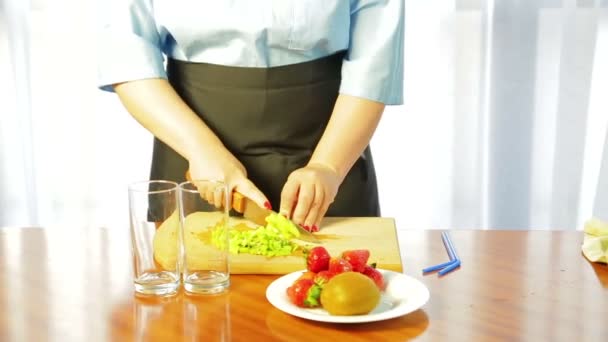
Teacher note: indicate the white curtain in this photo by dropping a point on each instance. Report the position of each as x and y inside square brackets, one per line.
[67, 150]
[504, 125]
[505, 117]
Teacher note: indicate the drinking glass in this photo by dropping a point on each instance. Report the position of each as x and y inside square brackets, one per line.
[154, 217]
[205, 229]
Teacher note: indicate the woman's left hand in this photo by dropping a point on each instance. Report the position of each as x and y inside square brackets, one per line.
[307, 194]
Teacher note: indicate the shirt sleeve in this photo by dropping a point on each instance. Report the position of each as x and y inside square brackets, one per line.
[128, 43]
[373, 65]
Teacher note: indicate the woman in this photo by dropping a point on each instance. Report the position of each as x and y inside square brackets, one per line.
[278, 98]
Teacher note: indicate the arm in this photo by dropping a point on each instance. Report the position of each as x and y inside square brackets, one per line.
[372, 76]
[130, 62]
[361, 116]
[315, 186]
[157, 107]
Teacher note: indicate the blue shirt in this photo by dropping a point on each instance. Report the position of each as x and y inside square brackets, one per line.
[135, 36]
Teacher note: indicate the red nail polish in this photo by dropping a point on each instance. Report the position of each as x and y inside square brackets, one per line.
[315, 228]
[267, 205]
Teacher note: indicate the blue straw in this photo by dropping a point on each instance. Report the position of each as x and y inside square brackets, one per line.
[446, 244]
[449, 268]
[438, 267]
[454, 262]
[451, 246]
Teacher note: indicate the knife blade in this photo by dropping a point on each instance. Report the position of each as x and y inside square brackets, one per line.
[257, 214]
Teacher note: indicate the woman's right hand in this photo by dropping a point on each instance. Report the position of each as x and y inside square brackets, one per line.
[226, 168]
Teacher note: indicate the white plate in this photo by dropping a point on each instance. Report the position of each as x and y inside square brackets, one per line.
[403, 295]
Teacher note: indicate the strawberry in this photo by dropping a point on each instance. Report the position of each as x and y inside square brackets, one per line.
[375, 275]
[339, 265]
[357, 258]
[307, 275]
[323, 277]
[317, 259]
[304, 293]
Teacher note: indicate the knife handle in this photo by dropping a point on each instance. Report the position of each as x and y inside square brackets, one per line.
[238, 199]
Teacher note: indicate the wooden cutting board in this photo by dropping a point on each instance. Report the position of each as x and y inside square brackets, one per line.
[337, 234]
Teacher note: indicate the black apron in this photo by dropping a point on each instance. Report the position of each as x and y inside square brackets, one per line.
[271, 119]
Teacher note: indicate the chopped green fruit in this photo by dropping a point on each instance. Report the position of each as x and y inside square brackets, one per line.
[270, 240]
[283, 225]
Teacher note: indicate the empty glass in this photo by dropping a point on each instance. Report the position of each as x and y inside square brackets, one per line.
[154, 217]
[205, 232]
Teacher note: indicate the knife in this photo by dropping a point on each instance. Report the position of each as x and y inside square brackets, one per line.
[257, 214]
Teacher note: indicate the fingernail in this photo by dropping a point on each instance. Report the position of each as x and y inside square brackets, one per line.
[267, 205]
[315, 228]
[305, 227]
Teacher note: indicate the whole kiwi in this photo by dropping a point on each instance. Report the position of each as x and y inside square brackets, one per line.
[350, 293]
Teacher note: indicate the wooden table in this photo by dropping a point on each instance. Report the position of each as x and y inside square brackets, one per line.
[75, 285]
